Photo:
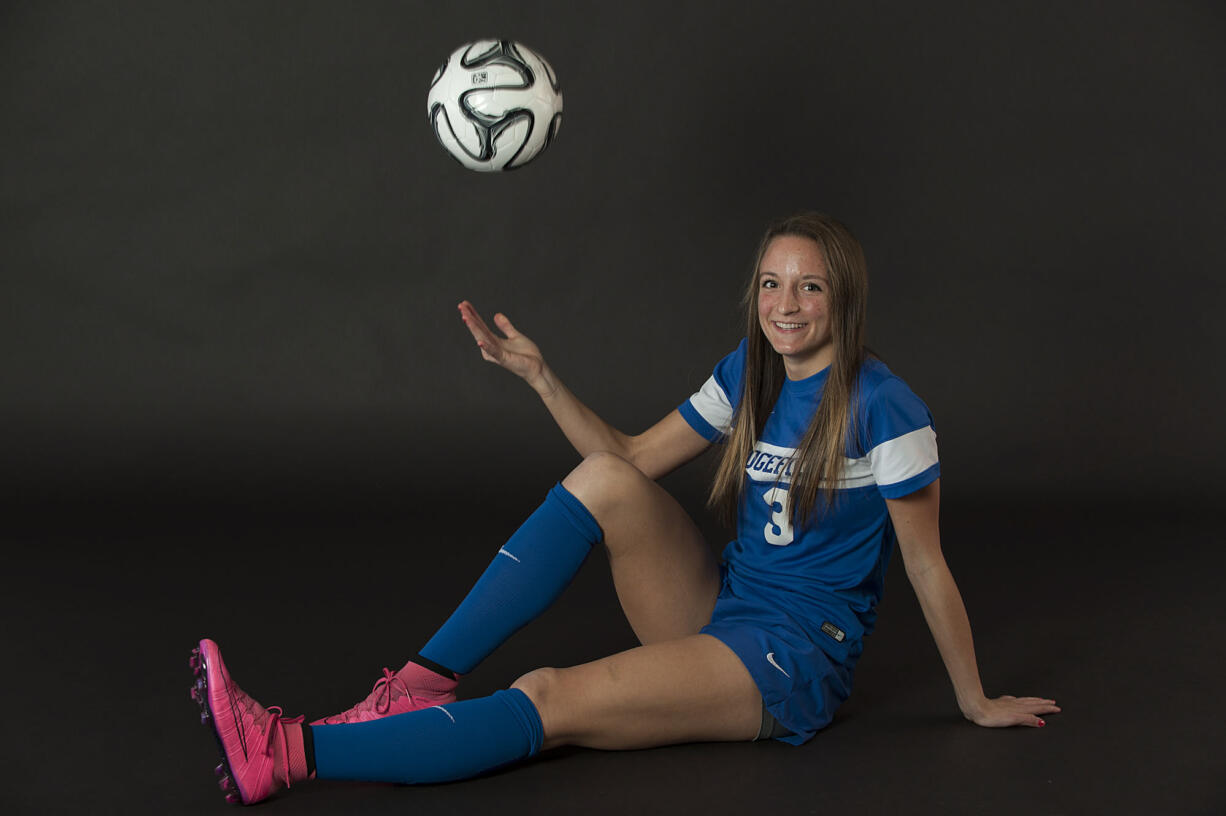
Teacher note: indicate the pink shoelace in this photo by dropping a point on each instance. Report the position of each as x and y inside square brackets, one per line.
[276, 725]
[382, 692]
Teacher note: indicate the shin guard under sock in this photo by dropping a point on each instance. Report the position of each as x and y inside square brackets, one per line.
[526, 576]
[440, 744]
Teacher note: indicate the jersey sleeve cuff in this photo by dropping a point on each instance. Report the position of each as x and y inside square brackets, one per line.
[704, 429]
[908, 486]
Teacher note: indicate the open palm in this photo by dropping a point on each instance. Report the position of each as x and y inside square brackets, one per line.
[513, 351]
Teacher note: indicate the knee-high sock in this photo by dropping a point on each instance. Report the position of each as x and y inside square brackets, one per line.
[440, 744]
[525, 577]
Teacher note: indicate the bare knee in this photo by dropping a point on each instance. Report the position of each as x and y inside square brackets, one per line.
[599, 472]
[536, 684]
[602, 480]
[541, 687]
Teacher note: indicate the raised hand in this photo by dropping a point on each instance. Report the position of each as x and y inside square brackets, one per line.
[1000, 712]
[513, 351]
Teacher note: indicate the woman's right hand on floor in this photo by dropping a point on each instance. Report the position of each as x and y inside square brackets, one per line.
[514, 352]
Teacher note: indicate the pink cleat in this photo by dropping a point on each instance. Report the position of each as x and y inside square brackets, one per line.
[410, 689]
[251, 768]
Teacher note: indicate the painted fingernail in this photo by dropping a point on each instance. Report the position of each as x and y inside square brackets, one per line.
[1041, 723]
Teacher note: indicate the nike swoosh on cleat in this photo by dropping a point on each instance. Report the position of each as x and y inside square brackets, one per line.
[239, 727]
[508, 555]
[770, 658]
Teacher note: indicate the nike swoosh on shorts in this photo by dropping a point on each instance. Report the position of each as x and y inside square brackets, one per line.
[770, 658]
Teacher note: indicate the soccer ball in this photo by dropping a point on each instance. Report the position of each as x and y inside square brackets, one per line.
[495, 105]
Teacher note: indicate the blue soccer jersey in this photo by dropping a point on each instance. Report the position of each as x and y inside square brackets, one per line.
[821, 581]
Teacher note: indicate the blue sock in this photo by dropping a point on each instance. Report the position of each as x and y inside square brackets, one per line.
[527, 575]
[440, 744]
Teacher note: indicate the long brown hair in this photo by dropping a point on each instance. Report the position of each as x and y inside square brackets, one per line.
[819, 458]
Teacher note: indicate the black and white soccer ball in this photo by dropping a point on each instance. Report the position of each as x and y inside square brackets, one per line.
[495, 105]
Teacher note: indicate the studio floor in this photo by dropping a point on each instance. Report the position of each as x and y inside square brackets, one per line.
[1112, 609]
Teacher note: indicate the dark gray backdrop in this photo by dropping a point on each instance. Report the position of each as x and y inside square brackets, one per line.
[236, 400]
[232, 250]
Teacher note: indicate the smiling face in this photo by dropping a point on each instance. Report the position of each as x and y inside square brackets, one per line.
[794, 306]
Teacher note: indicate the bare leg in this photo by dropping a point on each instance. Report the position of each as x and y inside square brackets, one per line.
[666, 575]
[694, 689]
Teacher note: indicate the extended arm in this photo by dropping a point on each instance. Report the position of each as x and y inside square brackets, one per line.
[660, 449]
[915, 520]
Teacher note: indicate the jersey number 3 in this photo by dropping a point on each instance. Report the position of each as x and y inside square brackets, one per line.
[778, 530]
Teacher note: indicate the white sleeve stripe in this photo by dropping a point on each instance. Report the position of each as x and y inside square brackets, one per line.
[903, 457]
[712, 404]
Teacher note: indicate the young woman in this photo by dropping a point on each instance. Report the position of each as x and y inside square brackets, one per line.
[829, 459]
